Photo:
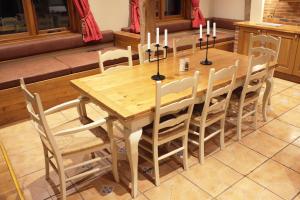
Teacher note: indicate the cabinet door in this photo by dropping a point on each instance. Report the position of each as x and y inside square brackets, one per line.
[287, 52]
[244, 39]
[296, 70]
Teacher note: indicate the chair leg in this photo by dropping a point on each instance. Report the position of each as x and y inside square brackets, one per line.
[222, 134]
[46, 156]
[255, 115]
[114, 155]
[185, 152]
[201, 145]
[82, 109]
[156, 165]
[63, 187]
[239, 123]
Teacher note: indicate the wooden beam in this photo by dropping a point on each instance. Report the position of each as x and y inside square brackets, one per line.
[247, 9]
[147, 19]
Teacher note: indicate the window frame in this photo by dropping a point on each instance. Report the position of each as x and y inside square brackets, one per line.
[163, 17]
[32, 24]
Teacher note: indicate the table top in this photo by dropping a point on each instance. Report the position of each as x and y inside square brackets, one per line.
[130, 93]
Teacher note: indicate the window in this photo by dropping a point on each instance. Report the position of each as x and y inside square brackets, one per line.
[170, 9]
[12, 18]
[23, 18]
[51, 14]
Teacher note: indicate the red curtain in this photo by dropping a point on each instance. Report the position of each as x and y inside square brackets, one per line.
[90, 30]
[135, 16]
[197, 14]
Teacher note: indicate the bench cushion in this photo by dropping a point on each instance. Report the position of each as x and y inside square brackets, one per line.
[32, 70]
[38, 46]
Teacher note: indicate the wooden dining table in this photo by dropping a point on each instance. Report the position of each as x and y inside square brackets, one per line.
[129, 95]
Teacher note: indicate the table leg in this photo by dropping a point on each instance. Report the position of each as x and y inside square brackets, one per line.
[266, 97]
[132, 142]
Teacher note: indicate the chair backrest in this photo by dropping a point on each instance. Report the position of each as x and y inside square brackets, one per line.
[217, 99]
[266, 41]
[181, 110]
[256, 74]
[113, 55]
[36, 112]
[143, 55]
[187, 41]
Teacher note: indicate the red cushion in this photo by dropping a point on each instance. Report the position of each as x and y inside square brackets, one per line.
[31, 70]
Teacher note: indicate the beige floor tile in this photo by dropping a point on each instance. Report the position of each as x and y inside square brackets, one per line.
[297, 86]
[210, 148]
[297, 108]
[213, 176]
[73, 196]
[284, 100]
[279, 88]
[292, 117]
[277, 178]
[297, 197]
[19, 137]
[72, 113]
[289, 156]
[56, 119]
[35, 186]
[279, 81]
[28, 162]
[103, 187]
[281, 130]
[246, 189]
[177, 188]
[297, 142]
[240, 158]
[263, 143]
[275, 110]
[292, 92]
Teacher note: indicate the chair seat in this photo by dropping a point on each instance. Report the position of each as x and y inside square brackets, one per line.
[236, 95]
[175, 131]
[211, 118]
[81, 141]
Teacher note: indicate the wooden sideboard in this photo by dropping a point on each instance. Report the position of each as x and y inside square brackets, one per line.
[289, 56]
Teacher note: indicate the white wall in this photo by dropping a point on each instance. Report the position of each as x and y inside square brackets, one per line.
[110, 14]
[231, 9]
[207, 7]
[257, 10]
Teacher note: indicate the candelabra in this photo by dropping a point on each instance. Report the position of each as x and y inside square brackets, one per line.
[206, 61]
[157, 76]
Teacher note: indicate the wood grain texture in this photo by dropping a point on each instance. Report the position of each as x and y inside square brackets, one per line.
[53, 91]
[133, 95]
[283, 28]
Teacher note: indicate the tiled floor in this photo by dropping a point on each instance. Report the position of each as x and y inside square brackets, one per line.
[264, 165]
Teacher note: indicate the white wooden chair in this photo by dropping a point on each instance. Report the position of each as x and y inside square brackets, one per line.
[248, 96]
[61, 144]
[171, 122]
[113, 55]
[271, 43]
[180, 42]
[143, 55]
[214, 108]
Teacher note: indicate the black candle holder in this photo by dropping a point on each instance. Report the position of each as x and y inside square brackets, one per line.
[200, 41]
[206, 61]
[158, 76]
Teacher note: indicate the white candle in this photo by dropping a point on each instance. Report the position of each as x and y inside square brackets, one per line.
[214, 29]
[149, 41]
[166, 37]
[208, 27]
[157, 35]
[201, 34]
